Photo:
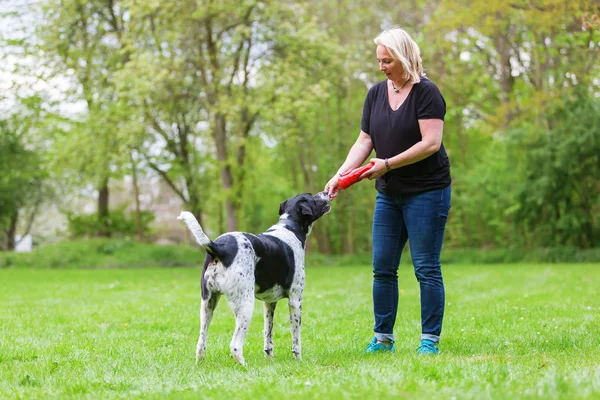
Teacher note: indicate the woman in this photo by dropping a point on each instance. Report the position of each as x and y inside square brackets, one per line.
[403, 120]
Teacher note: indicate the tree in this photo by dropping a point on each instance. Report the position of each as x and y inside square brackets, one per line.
[560, 194]
[506, 65]
[210, 81]
[22, 174]
[83, 41]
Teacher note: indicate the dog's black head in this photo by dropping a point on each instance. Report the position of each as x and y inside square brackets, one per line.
[305, 209]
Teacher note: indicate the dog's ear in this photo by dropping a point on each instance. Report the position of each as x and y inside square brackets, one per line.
[305, 209]
[282, 207]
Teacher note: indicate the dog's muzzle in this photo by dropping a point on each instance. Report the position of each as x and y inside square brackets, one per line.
[323, 196]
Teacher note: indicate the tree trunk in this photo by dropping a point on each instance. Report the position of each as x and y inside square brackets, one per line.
[11, 232]
[103, 196]
[346, 225]
[136, 197]
[193, 201]
[507, 81]
[195, 208]
[349, 236]
[220, 135]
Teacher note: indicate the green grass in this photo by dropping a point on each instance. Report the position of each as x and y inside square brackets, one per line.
[511, 331]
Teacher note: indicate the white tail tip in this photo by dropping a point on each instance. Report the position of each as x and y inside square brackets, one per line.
[184, 215]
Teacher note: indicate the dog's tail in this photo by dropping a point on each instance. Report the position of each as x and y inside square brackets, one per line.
[196, 229]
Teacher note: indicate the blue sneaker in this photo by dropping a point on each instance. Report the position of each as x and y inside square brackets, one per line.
[375, 347]
[428, 347]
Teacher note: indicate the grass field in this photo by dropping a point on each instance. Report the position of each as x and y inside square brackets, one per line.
[511, 331]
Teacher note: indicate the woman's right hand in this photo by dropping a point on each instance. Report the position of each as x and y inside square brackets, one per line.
[332, 187]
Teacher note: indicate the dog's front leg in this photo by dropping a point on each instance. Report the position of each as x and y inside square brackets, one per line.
[295, 305]
[207, 308]
[268, 330]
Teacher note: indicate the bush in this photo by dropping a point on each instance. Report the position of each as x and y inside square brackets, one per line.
[120, 253]
[564, 254]
[119, 224]
[588, 255]
[104, 253]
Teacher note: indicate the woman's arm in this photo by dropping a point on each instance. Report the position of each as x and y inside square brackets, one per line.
[358, 153]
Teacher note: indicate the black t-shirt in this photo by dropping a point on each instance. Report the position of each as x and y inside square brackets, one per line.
[393, 132]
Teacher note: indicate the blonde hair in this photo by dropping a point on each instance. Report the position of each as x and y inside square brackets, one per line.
[403, 49]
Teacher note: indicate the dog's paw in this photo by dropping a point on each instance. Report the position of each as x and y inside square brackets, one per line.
[240, 360]
[200, 354]
[269, 353]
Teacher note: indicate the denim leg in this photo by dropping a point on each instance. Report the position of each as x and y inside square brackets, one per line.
[389, 238]
[425, 216]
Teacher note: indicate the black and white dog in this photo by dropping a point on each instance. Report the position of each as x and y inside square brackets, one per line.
[268, 266]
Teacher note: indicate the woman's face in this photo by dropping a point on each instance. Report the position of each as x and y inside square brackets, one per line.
[391, 68]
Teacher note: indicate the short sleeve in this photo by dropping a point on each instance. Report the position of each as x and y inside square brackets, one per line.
[431, 103]
[366, 117]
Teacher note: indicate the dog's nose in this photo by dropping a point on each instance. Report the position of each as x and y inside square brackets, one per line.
[323, 195]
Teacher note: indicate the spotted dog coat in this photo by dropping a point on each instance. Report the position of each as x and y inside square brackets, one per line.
[269, 266]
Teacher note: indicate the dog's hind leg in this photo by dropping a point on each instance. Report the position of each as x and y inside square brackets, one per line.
[242, 305]
[295, 304]
[268, 331]
[207, 307]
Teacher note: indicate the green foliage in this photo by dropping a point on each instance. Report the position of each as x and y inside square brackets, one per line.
[19, 171]
[559, 197]
[124, 253]
[103, 253]
[508, 69]
[119, 223]
[511, 255]
[451, 256]
[237, 106]
[484, 198]
[21, 176]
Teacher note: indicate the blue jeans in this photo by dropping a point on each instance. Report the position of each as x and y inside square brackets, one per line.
[421, 219]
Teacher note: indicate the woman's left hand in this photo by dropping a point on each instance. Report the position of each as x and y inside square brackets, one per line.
[379, 169]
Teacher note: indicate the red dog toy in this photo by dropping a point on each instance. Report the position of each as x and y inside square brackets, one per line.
[351, 177]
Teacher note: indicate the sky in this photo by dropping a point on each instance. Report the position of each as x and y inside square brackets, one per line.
[24, 75]
[13, 27]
